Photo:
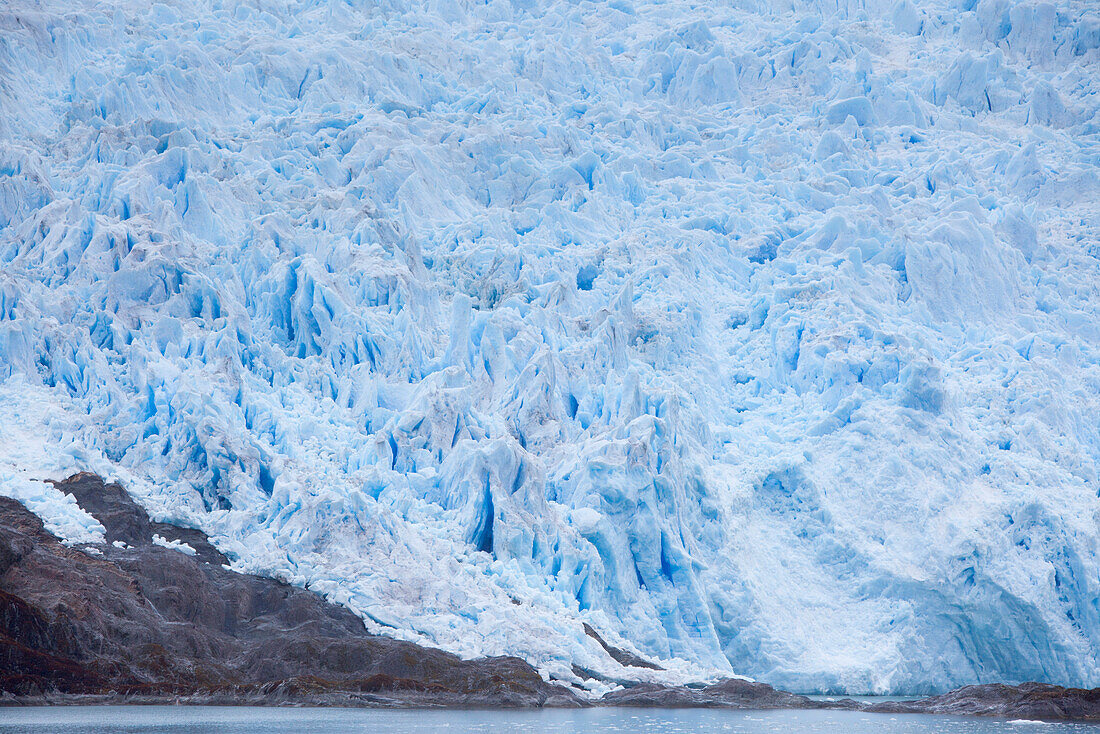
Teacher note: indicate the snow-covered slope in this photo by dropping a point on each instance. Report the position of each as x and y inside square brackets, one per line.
[763, 337]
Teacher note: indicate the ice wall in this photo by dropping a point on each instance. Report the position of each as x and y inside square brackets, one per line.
[761, 336]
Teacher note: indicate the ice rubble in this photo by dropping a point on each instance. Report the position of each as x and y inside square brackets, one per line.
[761, 336]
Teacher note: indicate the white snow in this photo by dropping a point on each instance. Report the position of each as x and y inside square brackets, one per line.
[761, 336]
[29, 453]
[173, 545]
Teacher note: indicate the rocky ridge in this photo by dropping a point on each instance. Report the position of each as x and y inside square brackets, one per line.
[130, 619]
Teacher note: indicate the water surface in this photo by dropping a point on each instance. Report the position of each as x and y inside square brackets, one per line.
[255, 720]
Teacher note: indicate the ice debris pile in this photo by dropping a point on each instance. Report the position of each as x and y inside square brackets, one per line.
[761, 336]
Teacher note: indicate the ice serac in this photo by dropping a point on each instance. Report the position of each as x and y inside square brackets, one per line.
[759, 338]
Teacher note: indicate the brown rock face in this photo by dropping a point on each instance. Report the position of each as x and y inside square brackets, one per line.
[729, 693]
[1025, 701]
[148, 622]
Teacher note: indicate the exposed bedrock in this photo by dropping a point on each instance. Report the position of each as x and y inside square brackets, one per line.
[730, 693]
[1025, 701]
[139, 619]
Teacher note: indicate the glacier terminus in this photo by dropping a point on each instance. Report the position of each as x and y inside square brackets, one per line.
[761, 337]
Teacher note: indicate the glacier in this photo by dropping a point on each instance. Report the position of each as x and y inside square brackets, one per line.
[764, 337]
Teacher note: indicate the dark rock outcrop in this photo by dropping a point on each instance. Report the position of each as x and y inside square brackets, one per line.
[619, 655]
[125, 521]
[148, 623]
[1025, 701]
[730, 693]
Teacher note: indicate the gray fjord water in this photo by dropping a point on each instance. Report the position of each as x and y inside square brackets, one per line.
[255, 720]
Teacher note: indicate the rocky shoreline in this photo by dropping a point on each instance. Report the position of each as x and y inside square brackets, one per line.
[134, 622]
